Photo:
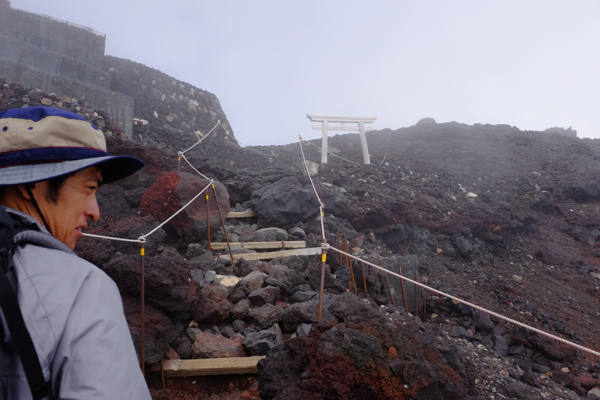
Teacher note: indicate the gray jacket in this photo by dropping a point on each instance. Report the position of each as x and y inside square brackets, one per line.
[74, 314]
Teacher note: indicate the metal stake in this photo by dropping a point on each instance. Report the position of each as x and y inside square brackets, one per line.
[208, 223]
[322, 288]
[417, 294]
[425, 307]
[403, 290]
[390, 289]
[222, 222]
[339, 246]
[143, 316]
[365, 279]
[351, 269]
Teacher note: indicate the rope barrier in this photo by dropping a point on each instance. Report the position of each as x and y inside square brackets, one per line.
[139, 240]
[308, 144]
[200, 141]
[142, 239]
[180, 210]
[180, 154]
[256, 151]
[326, 246]
[321, 205]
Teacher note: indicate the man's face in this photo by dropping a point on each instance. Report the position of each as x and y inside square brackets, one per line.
[76, 204]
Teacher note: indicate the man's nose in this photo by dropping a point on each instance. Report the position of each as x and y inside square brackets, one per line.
[93, 211]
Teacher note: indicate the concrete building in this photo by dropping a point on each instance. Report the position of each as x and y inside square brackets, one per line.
[60, 57]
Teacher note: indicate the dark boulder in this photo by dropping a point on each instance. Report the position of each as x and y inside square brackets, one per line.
[159, 330]
[212, 306]
[265, 316]
[262, 296]
[301, 313]
[167, 279]
[284, 202]
[260, 343]
[334, 362]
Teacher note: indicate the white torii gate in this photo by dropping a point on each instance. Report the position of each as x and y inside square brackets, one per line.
[343, 120]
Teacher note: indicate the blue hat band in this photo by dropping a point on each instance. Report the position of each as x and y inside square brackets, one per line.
[47, 154]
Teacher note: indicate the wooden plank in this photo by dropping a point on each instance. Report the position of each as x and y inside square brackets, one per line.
[241, 214]
[311, 251]
[296, 244]
[209, 366]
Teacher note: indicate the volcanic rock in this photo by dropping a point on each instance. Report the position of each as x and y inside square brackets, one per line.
[482, 322]
[301, 313]
[240, 309]
[172, 191]
[263, 296]
[182, 346]
[347, 363]
[167, 280]
[283, 203]
[208, 345]
[159, 329]
[259, 343]
[265, 316]
[253, 281]
[227, 283]
[270, 235]
[212, 306]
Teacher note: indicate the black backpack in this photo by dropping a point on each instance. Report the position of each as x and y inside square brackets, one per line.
[9, 227]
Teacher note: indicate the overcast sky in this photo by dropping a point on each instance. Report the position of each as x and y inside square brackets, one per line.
[530, 64]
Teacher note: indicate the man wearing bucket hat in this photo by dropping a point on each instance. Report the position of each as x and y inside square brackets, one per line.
[51, 164]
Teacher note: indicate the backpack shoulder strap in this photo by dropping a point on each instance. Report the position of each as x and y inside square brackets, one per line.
[13, 316]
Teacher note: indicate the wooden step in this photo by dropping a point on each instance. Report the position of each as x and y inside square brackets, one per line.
[296, 244]
[241, 214]
[208, 366]
[274, 254]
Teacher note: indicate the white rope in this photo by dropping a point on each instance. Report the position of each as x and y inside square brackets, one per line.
[244, 146]
[205, 136]
[114, 238]
[321, 205]
[180, 154]
[531, 328]
[142, 239]
[180, 210]
[308, 144]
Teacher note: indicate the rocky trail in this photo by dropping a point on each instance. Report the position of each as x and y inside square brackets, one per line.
[504, 218]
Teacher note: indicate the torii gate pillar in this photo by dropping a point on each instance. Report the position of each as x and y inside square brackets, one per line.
[324, 127]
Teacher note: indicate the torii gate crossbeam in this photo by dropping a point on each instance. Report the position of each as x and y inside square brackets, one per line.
[324, 127]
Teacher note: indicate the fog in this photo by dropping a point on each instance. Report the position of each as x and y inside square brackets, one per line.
[530, 64]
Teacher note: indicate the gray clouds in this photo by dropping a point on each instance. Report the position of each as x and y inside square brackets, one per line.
[529, 64]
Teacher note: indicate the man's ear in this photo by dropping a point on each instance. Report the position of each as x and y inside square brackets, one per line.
[23, 190]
